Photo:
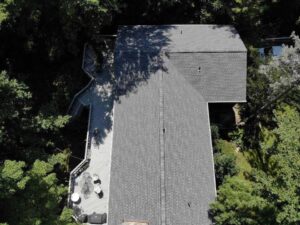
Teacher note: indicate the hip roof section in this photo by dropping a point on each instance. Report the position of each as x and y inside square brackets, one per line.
[179, 38]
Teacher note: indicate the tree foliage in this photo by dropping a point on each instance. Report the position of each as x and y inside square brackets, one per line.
[280, 185]
[24, 133]
[238, 204]
[272, 192]
[40, 58]
[283, 72]
[12, 91]
[30, 194]
[225, 161]
[225, 166]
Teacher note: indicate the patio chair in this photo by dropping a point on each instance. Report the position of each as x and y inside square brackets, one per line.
[97, 189]
[96, 179]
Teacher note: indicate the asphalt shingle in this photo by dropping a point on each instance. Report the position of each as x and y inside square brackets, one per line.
[162, 164]
[179, 38]
[135, 169]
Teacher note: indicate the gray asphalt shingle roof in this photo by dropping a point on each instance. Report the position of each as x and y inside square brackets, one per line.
[222, 75]
[135, 168]
[162, 165]
[179, 38]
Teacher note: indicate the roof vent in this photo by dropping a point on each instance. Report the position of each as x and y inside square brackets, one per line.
[198, 71]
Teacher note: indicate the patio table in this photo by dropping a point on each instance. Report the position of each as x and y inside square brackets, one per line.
[75, 197]
[97, 189]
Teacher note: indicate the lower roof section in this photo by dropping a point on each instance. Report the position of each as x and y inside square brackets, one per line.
[162, 165]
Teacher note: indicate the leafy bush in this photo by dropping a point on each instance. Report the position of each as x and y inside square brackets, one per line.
[225, 165]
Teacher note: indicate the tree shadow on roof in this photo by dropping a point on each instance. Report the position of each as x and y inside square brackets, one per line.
[232, 32]
[139, 55]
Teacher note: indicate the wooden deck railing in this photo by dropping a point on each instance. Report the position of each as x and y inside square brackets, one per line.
[83, 165]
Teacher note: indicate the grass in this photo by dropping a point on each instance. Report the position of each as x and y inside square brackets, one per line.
[241, 157]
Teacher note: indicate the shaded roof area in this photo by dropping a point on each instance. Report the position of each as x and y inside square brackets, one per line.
[179, 38]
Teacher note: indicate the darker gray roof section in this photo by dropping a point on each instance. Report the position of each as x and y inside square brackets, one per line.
[218, 77]
[179, 38]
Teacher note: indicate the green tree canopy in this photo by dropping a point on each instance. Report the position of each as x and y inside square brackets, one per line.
[31, 194]
[24, 134]
[238, 204]
[271, 195]
[281, 184]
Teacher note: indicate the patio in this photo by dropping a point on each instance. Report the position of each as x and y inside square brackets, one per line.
[94, 194]
[84, 185]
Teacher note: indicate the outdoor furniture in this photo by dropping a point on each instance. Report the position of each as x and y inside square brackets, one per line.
[75, 197]
[97, 218]
[97, 189]
[96, 178]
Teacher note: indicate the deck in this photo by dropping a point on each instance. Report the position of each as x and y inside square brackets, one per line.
[98, 150]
